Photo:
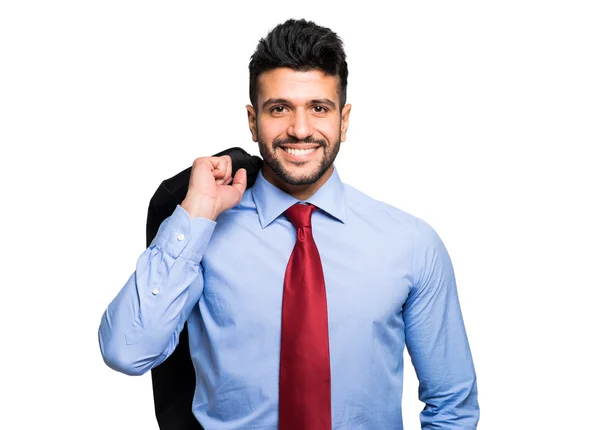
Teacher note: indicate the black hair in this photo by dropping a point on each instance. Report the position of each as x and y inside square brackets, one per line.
[303, 46]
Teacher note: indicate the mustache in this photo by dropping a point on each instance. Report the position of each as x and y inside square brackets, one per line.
[294, 140]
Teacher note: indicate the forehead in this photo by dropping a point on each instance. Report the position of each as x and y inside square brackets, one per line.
[297, 86]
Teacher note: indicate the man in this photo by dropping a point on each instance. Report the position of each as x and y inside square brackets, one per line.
[301, 292]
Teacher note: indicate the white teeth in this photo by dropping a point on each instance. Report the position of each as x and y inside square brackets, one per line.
[299, 151]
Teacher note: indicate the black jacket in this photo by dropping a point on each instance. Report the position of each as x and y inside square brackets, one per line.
[174, 381]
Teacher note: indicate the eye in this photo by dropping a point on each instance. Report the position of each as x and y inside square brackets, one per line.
[320, 109]
[278, 109]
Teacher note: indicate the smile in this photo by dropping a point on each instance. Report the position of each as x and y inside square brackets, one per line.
[299, 152]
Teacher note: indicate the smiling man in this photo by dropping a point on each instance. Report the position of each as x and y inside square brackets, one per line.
[299, 124]
[300, 293]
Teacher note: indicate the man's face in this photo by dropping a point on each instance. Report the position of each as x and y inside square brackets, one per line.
[298, 126]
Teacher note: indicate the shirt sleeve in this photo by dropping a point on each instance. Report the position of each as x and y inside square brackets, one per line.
[437, 341]
[141, 326]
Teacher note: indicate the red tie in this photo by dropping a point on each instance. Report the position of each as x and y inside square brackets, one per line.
[304, 373]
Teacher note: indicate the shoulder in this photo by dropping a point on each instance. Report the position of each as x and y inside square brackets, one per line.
[406, 231]
[386, 215]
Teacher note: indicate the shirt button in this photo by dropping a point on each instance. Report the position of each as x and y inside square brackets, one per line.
[155, 291]
[180, 237]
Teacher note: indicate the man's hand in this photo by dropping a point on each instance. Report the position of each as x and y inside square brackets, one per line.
[209, 193]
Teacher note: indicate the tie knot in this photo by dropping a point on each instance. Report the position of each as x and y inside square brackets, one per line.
[300, 214]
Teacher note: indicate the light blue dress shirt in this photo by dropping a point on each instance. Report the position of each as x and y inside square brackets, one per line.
[389, 283]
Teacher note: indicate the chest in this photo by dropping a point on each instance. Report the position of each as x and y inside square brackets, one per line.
[368, 273]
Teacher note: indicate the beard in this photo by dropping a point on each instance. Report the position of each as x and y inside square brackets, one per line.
[269, 155]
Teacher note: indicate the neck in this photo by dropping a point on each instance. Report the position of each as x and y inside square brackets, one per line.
[300, 192]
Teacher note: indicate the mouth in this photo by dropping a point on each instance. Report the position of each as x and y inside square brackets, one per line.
[299, 152]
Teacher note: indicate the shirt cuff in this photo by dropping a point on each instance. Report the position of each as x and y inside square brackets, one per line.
[185, 236]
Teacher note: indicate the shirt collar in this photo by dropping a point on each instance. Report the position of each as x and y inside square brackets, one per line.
[271, 202]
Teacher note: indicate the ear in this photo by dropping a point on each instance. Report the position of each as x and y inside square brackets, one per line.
[252, 122]
[345, 121]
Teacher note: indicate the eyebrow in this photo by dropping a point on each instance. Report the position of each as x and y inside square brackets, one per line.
[325, 101]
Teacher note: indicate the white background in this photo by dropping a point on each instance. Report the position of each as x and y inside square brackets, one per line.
[480, 117]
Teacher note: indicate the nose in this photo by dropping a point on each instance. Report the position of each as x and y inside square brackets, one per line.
[300, 125]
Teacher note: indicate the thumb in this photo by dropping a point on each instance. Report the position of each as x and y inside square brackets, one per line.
[240, 181]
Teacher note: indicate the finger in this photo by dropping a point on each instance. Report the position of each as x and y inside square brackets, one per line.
[214, 161]
[229, 167]
[223, 182]
[200, 167]
[240, 181]
[222, 170]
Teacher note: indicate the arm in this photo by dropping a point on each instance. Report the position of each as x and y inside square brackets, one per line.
[142, 324]
[436, 339]
[173, 382]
